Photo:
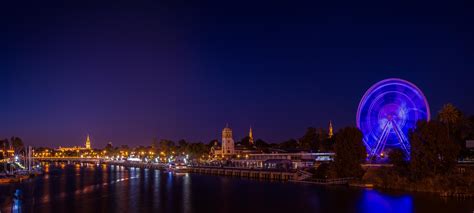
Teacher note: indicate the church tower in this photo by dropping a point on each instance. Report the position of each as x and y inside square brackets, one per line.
[250, 136]
[330, 130]
[88, 142]
[227, 141]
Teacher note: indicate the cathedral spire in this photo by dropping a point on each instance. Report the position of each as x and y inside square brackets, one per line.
[88, 142]
[330, 130]
[250, 136]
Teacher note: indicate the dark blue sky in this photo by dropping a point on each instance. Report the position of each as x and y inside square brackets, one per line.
[128, 72]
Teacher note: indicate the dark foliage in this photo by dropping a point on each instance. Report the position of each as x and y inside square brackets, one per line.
[432, 150]
[350, 152]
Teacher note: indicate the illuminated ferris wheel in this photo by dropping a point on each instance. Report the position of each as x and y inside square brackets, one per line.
[387, 111]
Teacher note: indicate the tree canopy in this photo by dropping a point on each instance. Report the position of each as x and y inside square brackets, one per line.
[350, 152]
[432, 151]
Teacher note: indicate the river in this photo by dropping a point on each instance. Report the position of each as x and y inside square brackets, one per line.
[101, 188]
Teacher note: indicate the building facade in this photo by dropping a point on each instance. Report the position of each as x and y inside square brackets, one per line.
[251, 137]
[271, 160]
[77, 148]
[227, 141]
[331, 133]
[227, 148]
[88, 142]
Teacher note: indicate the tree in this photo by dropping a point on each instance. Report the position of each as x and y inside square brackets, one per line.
[182, 143]
[459, 128]
[246, 142]
[166, 146]
[400, 163]
[327, 145]
[432, 151]
[325, 171]
[196, 150]
[183, 146]
[17, 144]
[154, 144]
[259, 143]
[310, 139]
[350, 152]
[109, 148]
[213, 143]
[470, 133]
[289, 144]
[124, 148]
[4, 146]
[450, 116]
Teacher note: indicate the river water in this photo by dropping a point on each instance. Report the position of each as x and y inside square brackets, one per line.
[101, 188]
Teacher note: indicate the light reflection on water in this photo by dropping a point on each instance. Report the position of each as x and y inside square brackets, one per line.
[187, 193]
[101, 188]
[374, 202]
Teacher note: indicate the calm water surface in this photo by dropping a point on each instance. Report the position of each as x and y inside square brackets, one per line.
[92, 188]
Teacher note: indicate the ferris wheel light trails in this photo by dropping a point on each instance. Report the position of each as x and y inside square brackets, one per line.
[386, 113]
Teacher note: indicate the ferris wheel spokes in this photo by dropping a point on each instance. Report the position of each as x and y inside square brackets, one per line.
[380, 146]
[382, 140]
[403, 140]
[387, 112]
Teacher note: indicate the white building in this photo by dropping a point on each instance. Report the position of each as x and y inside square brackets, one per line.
[227, 141]
[227, 148]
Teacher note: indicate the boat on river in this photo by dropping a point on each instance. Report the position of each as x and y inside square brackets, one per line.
[178, 167]
[6, 180]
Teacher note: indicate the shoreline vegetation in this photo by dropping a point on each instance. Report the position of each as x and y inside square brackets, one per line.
[432, 165]
[455, 184]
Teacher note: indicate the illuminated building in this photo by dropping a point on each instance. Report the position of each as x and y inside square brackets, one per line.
[227, 141]
[331, 133]
[270, 160]
[7, 153]
[227, 148]
[88, 142]
[250, 136]
[77, 148]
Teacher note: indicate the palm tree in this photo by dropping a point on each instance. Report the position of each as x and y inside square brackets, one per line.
[17, 144]
[449, 115]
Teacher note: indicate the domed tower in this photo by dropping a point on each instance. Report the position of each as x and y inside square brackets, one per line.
[227, 141]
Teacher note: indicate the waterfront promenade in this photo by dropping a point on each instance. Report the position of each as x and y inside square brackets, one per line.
[265, 174]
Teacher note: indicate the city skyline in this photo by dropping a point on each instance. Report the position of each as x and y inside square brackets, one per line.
[183, 71]
[235, 106]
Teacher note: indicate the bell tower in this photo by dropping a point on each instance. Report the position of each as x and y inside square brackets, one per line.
[250, 136]
[331, 133]
[88, 142]
[227, 141]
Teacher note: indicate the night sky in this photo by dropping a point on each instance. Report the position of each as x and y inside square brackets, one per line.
[128, 72]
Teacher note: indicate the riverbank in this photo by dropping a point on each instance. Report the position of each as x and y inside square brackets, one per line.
[449, 185]
[19, 175]
[95, 188]
[13, 179]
